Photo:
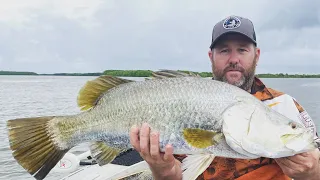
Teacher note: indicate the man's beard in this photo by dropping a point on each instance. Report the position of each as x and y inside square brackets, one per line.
[247, 77]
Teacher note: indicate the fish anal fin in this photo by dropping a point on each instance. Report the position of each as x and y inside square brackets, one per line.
[194, 165]
[91, 92]
[201, 138]
[103, 153]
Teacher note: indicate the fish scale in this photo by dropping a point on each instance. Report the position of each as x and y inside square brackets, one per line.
[161, 95]
[158, 109]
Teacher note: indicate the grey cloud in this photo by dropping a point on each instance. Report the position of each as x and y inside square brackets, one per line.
[289, 15]
[166, 34]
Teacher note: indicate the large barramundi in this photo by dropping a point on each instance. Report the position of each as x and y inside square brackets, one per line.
[199, 117]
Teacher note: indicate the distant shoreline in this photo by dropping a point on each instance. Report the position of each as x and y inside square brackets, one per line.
[147, 73]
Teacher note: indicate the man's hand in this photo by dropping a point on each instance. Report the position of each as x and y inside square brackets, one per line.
[301, 166]
[162, 165]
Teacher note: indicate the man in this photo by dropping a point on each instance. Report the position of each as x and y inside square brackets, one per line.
[234, 55]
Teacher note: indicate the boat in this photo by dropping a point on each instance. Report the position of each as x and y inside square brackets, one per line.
[84, 167]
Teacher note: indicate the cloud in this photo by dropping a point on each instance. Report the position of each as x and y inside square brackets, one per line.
[91, 36]
[20, 12]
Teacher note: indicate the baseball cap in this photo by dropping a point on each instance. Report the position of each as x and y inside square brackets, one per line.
[233, 24]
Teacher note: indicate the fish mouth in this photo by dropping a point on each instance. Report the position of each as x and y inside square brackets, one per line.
[299, 142]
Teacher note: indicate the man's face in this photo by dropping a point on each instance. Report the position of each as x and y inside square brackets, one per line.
[234, 60]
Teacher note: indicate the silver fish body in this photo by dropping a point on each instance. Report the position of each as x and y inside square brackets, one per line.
[168, 105]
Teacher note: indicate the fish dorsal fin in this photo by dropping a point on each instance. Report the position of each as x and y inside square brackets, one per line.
[91, 92]
[172, 74]
[102, 153]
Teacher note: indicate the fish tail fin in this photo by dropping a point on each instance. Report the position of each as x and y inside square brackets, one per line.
[33, 146]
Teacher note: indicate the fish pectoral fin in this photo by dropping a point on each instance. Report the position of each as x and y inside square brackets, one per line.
[91, 92]
[102, 153]
[194, 165]
[201, 138]
[172, 74]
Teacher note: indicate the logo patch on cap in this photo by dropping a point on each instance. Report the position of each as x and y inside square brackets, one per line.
[231, 22]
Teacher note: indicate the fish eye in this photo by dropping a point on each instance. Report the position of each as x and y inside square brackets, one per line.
[293, 125]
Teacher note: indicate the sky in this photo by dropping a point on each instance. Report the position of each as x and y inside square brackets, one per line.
[51, 36]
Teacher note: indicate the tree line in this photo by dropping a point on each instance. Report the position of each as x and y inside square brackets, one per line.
[16, 73]
[148, 73]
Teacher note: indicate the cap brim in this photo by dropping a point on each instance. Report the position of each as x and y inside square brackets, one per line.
[231, 32]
